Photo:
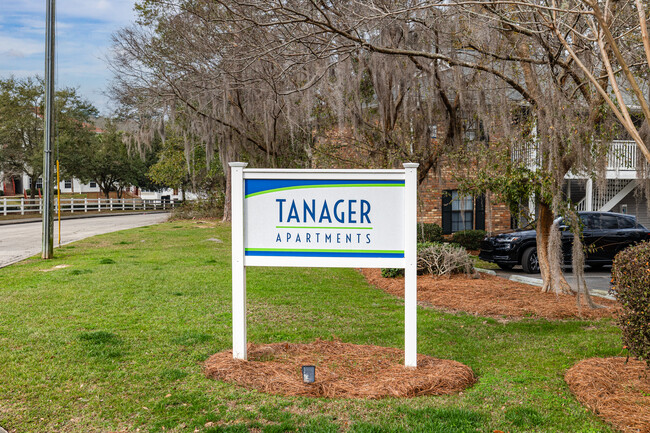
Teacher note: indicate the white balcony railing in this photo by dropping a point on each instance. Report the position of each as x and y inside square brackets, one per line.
[621, 156]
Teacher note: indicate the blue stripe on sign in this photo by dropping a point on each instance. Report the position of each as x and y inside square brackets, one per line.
[320, 254]
[253, 186]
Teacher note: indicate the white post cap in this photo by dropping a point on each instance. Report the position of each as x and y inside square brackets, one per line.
[238, 164]
[411, 165]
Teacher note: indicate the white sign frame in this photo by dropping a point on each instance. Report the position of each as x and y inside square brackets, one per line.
[408, 175]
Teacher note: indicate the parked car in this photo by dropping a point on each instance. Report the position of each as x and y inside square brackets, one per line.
[604, 234]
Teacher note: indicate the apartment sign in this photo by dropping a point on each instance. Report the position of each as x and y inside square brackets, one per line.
[322, 218]
[337, 222]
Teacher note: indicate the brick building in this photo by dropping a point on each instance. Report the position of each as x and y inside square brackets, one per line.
[439, 202]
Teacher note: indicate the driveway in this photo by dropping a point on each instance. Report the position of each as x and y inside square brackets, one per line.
[20, 241]
[597, 280]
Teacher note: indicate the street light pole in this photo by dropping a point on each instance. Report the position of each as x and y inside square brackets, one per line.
[48, 187]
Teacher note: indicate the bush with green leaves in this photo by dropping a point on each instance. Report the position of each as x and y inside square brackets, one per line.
[428, 232]
[631, 280]
[470, 239]
[392, 272]
[437, 258]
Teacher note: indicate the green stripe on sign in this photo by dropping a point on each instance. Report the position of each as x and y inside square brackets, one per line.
[363, 185]
[326, 251]
[324, 228]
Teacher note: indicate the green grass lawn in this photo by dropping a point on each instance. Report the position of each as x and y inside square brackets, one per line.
[478, 263]
[114, 342]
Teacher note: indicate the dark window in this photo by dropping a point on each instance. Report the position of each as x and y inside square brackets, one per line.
[93, 184]
[67, 184]
[626, 223]
[589, 221]
[462, 213]
[608, 222]
[474, 130]
[39, 183]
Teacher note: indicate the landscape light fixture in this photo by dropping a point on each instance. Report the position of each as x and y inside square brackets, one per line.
[308, 373]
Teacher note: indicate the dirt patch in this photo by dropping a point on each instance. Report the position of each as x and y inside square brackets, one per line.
[616, 391]
[204, 224]
[57, 267]
[343, 370]
[487, 295]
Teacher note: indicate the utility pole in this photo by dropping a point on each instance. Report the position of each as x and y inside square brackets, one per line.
[48, 187]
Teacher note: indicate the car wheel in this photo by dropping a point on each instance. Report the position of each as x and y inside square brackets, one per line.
[529, 261]
[505, 266]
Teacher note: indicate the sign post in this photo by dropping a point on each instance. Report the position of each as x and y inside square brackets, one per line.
[411, 267]
[238, 268]
[324, 218]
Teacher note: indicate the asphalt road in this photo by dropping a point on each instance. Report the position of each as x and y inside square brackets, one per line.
[597, 280]
[20, 241]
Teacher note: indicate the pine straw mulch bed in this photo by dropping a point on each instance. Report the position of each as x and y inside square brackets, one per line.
[617, 392]
[343, 370]
[486, 295]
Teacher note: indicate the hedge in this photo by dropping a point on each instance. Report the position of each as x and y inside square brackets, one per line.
[470, 239]
[631, 280]
[428, 232]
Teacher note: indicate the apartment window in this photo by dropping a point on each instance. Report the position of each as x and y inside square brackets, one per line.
[474, 130]
[433, 131]
[67, 184]
[462, 212]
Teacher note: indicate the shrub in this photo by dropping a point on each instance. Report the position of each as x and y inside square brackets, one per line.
[429, 232]
[399, 272]
[631, 280]
[470, 239]
[438, 259]
[392, 272]
[444, 259]
[198, 209]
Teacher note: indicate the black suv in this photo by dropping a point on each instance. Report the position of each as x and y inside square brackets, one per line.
[605, 234]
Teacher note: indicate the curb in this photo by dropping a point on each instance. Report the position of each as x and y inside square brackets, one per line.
[539, 283]
[486, 271]
[527, 280]
[75, 217]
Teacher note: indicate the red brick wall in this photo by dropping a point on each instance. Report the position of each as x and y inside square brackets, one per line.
[497, 215]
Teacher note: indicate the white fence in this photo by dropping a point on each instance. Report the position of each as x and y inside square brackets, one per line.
[23, 206]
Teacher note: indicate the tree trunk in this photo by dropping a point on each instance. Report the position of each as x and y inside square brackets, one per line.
[544, 221]
[32, 188]
[552, 276]
[227, 211]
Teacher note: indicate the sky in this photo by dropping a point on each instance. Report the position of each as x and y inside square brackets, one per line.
[83, 41]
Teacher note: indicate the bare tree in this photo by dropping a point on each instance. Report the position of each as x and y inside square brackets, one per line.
[284, 82]
[505, 42]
